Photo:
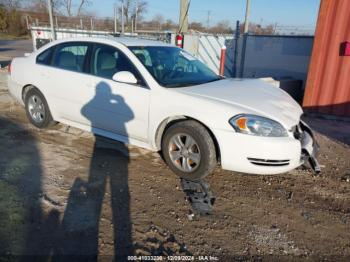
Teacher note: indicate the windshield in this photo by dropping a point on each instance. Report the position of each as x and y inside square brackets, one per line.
[173, 67]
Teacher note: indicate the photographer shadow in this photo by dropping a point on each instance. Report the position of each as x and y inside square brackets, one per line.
[79, 234]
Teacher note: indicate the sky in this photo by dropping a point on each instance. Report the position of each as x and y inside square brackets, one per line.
[301, 13]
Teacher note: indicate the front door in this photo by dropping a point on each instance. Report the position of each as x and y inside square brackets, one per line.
[116, 107]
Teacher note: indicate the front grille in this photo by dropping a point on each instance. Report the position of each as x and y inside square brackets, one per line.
[268, 162]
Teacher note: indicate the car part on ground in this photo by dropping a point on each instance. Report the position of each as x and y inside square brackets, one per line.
[199, 195]
[189, 150]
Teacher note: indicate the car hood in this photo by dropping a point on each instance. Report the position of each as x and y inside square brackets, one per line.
[255, 95]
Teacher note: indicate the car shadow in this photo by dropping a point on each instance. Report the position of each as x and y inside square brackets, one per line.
[79, 231]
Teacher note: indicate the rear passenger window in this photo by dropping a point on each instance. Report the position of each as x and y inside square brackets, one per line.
[71, 56]
[45, 57]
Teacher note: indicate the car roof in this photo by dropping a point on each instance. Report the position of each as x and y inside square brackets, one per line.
[127, 41]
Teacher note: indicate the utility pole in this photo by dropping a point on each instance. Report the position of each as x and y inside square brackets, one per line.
[136, 13]
[123, 29]
[275, 28]
[115, 19]
[49, 6]
[183, 22]
[208, 19]
[245, 37]
[246, 21]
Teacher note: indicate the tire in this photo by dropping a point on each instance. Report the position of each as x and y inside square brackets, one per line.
[189, 150]
[37, 109]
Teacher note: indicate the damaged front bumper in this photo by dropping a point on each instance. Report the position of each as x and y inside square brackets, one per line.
[309, 145]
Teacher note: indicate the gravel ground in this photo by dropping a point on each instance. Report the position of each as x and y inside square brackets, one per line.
[64, 192]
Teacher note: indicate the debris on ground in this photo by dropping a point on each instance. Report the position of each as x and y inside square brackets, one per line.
[199, 196]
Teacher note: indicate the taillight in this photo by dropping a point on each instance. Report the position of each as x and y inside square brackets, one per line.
[9, 68]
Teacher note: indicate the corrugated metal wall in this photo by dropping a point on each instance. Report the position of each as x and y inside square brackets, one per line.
[328, 84]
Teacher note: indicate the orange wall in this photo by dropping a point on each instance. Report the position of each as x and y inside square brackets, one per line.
[328, 83]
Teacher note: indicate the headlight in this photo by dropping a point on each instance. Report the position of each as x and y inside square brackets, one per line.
[257, 126]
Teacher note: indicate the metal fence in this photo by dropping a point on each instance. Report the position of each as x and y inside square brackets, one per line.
[42, 34]
[207, 48]
[280, 57]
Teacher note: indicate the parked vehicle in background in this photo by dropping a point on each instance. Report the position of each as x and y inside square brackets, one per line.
[157, 96]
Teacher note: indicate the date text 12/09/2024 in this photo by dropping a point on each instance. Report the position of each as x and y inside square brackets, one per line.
[173, 258]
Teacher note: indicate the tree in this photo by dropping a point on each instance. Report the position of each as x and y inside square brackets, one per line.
[75, 7]
[197, 26]
[3, 19]
[15, 23]
[132, 9]
[11, 4]
[258, 29]
[169, 25]
[222, 27]
[158, 20]
[41, 6]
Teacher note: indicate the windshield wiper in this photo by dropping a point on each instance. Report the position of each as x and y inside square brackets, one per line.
[191, 83]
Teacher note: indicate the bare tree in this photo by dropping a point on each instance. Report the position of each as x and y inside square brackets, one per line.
[132, 9]
[11, 4]
[41, 5]
[169, 25]
[222, 27]
[197, 26]
[75, 7]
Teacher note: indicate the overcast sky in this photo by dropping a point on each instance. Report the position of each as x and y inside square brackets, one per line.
[283, 12]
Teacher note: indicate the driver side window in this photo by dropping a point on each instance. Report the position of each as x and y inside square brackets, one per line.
[107, 60]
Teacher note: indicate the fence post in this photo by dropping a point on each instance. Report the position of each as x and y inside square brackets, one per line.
[244, 47]
[27, 22]
[235, 53]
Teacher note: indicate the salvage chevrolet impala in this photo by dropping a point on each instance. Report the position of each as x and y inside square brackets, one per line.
[157, 96]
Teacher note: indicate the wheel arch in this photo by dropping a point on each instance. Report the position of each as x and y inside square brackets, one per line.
[25, 90]
[169, 121]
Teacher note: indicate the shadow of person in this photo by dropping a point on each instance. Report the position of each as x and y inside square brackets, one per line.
[24, 225]
[80, 224]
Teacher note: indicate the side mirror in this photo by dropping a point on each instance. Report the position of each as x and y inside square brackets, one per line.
[125, 77]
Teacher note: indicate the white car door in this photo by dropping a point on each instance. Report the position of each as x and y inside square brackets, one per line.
[63, 81]
[117, 107]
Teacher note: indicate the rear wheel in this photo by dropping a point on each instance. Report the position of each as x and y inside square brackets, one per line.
[189, 150]
[37, 110]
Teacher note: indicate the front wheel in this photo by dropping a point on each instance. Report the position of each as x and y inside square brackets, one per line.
[189, 150]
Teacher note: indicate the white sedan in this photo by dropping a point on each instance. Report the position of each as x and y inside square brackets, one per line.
[159, 97]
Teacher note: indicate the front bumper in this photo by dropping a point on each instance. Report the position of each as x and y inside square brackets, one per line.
[265, 155]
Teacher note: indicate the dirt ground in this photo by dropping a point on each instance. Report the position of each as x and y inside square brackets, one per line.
[63, 192]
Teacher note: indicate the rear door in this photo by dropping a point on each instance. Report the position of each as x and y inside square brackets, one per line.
[64, 81]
